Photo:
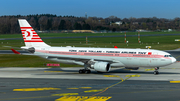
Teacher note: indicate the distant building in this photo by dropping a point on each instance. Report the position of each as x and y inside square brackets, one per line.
[170, 30]
[142, 30]
[116, 23]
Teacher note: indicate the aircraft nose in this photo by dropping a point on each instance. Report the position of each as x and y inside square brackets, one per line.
[173, 60]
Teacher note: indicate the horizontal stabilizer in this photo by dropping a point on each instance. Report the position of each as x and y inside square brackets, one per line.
[15, 52]
[115, 47]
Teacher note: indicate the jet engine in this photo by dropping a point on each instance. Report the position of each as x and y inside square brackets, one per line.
[101, 66]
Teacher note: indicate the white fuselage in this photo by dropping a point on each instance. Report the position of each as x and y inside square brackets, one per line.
[122, 57]
[99, 59]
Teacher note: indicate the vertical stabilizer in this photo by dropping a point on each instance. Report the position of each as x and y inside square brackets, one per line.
[31, 38]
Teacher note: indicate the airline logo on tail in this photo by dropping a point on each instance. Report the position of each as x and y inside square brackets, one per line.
[30, 35]
[31, 38]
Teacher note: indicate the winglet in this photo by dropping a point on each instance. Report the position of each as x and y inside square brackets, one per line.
[115, 47]
[15, 52]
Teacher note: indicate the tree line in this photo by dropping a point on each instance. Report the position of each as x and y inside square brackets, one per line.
[42, 22]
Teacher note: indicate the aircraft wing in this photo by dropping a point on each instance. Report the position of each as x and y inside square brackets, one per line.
[83, 59]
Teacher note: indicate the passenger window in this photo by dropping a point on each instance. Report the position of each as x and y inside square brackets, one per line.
[167, 55]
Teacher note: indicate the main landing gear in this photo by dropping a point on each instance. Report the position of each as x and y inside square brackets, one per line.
[156, 71]
[85, 70]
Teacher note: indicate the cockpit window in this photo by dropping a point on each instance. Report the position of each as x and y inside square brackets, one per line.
[167, 55]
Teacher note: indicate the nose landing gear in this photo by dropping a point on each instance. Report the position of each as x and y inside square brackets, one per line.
[156, 71]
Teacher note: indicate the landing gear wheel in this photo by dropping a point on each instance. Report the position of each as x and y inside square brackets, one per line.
[88, 71]
[156, 72]
[80, 71]
[84, 71]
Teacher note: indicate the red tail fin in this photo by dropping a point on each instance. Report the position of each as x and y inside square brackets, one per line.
[31, 38]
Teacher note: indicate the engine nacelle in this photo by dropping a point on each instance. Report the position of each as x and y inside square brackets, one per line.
[133, 68]
[29, 49]
[102, 66]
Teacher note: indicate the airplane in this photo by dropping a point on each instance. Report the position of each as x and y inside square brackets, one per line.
[99, 59]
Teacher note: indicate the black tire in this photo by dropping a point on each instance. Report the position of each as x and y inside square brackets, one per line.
[86, 72]
[89, 71]
[156, 72]
[80, 71]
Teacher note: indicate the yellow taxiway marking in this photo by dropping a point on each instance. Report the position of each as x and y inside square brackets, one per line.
[111, 76]
[174, 81]
[84, 98]
[177, 57]
[72, 88]
[65, 94]
[85, 87]
[129, 76]
[149, 69]
[103, 90]
[88, 91]
[133, 75]
[36, 89]
[53, 71]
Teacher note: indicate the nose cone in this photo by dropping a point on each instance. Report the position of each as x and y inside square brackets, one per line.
[173, 60]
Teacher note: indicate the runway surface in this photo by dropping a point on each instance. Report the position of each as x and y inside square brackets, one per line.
[66, 84]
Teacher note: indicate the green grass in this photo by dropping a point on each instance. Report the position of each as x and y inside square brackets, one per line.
[14, 60]
[165, 43]
[83, 34]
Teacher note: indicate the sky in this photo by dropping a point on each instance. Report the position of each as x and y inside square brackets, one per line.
[169, 9]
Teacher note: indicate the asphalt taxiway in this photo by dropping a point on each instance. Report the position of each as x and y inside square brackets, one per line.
[66, 84]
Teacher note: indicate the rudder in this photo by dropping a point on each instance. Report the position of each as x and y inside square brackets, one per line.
[31, 38]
